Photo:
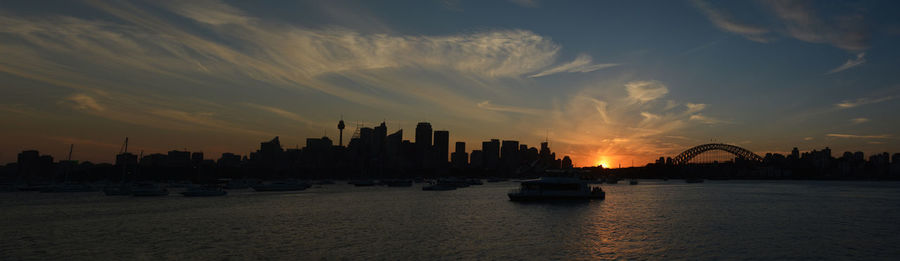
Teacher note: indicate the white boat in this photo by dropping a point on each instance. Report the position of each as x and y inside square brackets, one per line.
[204, 191]
[281, 186]
[556, 188]
[148, 190]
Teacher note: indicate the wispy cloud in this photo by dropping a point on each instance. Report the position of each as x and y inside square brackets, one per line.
[860, 59]
[862, 101]
[859, 120]
[602, 123]
[808, 138]
[645, 91]
[84, 102]
[493, 107]
[695, 107]
[852, 136]
[726, 23]
[848, 32]
[706, 119]
[649, 116]
[284, 114]
[582, 63]
[238, 54]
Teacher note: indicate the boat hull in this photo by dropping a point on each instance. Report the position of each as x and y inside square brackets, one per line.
[278, 188]
[204, 193]
[521, 197]
[150, 193]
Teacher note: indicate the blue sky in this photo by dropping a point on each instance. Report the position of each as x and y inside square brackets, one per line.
[610, 81]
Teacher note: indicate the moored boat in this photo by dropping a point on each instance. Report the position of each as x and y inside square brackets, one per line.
[281, 186]
[204, 191]
[439, 187]
[149, 190]
[398, 182]
[67, 187]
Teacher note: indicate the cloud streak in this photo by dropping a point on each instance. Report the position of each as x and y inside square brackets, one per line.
[645, 91]
[488, 106]
[582, 63]
[726, 23]
[860, 59]
[859, 120]
[852, 136]
[84, 102]
[862, 101]
[802, 22]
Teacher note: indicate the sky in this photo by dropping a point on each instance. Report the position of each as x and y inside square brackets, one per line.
[611, 82]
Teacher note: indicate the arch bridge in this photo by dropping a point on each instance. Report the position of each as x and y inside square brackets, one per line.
[689, 154]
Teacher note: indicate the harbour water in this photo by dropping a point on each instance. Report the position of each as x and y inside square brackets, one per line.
[652, 220]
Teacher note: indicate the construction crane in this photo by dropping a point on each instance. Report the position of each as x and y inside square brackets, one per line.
[124, 147]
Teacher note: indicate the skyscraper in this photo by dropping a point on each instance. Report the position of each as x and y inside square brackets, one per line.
[509, 154]
[380, 133]
[423, 136]
[491, 150]
[459, 158]
[441, 146]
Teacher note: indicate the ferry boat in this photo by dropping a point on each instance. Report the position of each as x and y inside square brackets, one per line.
[556, 188]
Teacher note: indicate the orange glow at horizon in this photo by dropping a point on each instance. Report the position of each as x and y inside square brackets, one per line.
[602, 162]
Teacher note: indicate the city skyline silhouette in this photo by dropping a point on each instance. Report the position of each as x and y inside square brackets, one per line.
[449, 130]
[220, 76]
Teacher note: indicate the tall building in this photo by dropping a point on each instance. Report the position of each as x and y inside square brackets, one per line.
[126, 162]
[177, 158]
[567, 163]
[441, 146]
[423, 136]
[477, 159]
[509, 155]
[29, 164]
[459, 159]
[380, 135]
[546, 156]
[392, 144]
[491, 151]
[423, 156]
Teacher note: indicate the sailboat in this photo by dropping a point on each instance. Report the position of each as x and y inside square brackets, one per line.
[122, 189]
[68, 186]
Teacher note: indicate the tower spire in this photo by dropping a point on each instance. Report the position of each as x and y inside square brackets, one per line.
[341, 130]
